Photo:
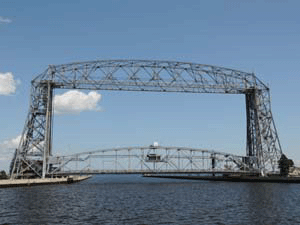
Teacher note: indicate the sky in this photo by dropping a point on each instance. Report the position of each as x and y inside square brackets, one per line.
[252, 36]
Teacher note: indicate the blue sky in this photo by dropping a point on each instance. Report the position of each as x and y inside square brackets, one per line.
[253, 36]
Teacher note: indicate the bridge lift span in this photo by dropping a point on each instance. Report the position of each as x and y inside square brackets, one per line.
[34, 153]
[150, 159]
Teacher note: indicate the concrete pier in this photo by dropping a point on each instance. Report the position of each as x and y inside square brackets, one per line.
[41, 181]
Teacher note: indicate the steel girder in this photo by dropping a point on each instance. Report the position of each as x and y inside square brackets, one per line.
[145, 159]
[263, 146]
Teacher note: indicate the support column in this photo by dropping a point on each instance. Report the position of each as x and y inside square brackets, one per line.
[254, 146]
[250, 126]
[48, 130]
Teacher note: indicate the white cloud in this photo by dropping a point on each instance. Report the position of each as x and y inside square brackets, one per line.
[297, 163]
[7, 148]
[5, 20]
[11, 143]
[8, 84]
[76, 101]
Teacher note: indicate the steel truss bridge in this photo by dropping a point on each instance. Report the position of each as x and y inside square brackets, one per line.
[34, 154]
[149, 159]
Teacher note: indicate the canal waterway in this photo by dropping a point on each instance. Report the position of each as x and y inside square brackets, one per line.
[132, 199]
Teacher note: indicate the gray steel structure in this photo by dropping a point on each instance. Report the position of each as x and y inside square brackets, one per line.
[150, 159]
[32, 156]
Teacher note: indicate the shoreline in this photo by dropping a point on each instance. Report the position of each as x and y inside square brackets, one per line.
[231, 178]
[46, 181]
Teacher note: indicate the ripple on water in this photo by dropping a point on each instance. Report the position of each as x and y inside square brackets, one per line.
[136, 200]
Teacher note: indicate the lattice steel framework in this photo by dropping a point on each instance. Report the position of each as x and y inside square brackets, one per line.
[149, 159]
[34, 151]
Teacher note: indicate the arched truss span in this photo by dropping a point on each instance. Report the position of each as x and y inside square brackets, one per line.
[149, 159]
[143, 75]
[263, 148]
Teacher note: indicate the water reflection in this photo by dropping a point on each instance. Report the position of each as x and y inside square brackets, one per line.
[136, 200]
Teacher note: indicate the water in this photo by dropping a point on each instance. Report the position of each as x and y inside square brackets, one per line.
[131, 199]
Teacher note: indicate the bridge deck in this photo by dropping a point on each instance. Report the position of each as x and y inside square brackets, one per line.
[87, 172]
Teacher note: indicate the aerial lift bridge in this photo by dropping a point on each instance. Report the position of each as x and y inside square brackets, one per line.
[34, 152]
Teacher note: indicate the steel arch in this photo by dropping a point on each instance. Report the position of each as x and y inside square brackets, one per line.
[149, 159]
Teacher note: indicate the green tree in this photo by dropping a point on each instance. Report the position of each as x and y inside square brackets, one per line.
[284, 165]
